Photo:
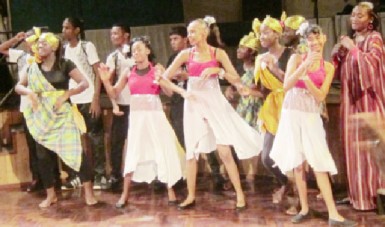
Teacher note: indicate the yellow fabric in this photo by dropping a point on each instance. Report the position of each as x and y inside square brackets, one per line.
[271, 109]
[294, 21]
[51, 39]
[251, 41]
[256, 26]
[273, 23]
[33, 38]
[79, 120]
[32, 41]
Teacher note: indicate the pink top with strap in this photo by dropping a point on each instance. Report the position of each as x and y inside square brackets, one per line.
[144, 84]
[317, 76]
[196, 68]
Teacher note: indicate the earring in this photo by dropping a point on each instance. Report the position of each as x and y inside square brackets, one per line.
[370, 26]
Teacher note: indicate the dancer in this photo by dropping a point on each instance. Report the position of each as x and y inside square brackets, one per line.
[23, 60]
[300, 136]
[248, 106]
[361, 67]
[269, 74]
[157, 154]
[50, 117]
[209, 120]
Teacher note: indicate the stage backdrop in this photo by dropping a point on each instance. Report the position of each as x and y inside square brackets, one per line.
[96, 13]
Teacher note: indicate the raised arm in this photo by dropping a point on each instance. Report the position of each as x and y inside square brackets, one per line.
[5, 46]
[297, 68]
[105, 75]
[321, 93]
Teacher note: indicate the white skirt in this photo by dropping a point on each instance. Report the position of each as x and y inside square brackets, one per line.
[301, 136]
[153, 150]
[209, 120]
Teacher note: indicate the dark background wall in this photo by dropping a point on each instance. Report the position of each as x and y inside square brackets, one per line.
[97, 14]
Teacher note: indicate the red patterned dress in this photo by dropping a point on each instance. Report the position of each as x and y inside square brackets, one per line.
[363, 88]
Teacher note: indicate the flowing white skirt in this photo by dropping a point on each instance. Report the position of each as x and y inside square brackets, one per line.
[209, 120]
[153, 150]
[301, 135]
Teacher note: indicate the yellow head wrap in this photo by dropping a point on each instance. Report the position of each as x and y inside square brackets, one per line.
[294, 22]
[251, 41]
[51, 39]
[273, 23]
[256, 26]
[33, 38]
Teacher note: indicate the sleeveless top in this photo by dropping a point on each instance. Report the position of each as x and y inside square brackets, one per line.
[317, 76]
[143, 84]
[195, 68]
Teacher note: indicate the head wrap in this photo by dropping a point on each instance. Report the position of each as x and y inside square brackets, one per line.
[33, 38]
[273, 24]
[256, 26]
[251, 41]
[294, 21]
[51, 39]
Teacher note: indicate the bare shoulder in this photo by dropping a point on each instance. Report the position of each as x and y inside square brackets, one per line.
[184, 54]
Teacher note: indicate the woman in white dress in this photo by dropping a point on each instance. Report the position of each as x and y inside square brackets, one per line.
[300, 136]
[153, 150]
[210, 122]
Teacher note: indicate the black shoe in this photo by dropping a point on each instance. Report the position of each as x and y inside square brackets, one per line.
[344, 201]
[115, 182]
[299, 218]
[72, 183]
[187, 207]
[344, 223]
[34, 186]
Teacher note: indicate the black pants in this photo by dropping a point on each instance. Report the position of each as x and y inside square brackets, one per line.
[176, 118]
[95, 136]
[119, 129]
[268, 162]
[33, 161]
[48, 167]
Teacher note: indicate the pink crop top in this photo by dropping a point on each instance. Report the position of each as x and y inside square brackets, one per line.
[196, 68]
[317, 76]
[143, 85]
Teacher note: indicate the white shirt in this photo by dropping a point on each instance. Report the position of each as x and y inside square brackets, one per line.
[20, 57]
[84, 56]
[118, 62]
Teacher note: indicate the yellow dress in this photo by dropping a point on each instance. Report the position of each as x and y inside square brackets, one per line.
[271, 109]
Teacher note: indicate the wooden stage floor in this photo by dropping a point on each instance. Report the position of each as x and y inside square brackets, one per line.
[149, 208]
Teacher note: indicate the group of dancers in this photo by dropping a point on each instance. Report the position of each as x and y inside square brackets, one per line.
[279, 112]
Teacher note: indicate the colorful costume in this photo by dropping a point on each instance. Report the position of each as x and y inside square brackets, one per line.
[363, 90]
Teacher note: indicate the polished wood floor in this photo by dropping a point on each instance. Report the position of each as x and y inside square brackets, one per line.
[149, 208]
